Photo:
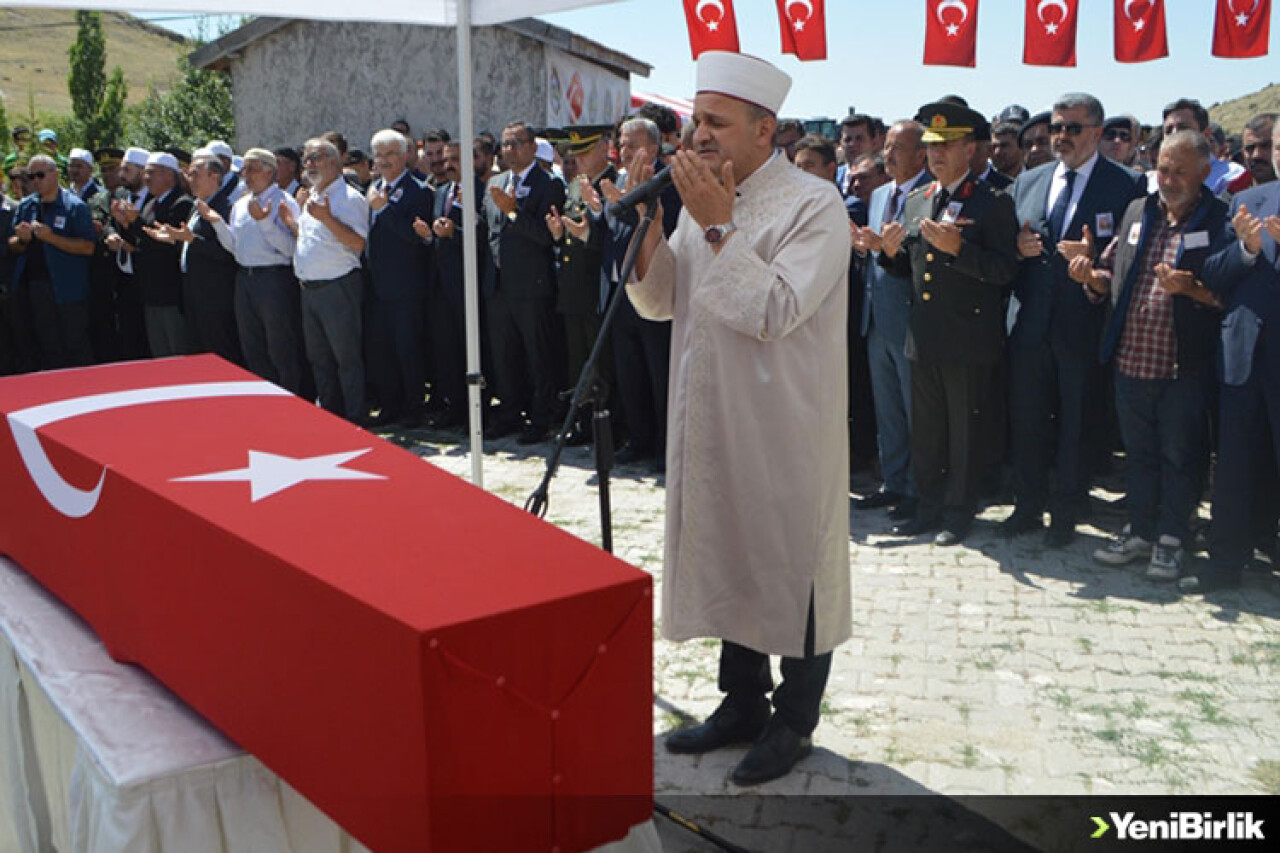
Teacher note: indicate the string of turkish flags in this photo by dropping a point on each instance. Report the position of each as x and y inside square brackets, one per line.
[1241, 29]
[713, 25]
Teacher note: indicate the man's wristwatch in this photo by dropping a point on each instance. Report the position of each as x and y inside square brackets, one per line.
[716, 233]
[511, 217]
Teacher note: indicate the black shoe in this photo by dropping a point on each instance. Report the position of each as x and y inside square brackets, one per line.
[577, 437]
[1211, 578]
[952, 534]
[532, 434]
[727, 726]
[450, 418]
[629, 454]
[1059, 535]
[773, 755]
[1021, 522]
[905, 511]
[876, 500]
[916, 526]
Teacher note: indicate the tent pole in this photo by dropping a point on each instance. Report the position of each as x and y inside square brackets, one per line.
[471, 207]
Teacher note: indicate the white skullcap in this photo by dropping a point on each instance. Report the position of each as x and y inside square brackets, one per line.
[202, 152]
[163, 158]
[545, 152]
[220, 148]
[82, 155]
[237, 163]
[136, 156]
[743, 77]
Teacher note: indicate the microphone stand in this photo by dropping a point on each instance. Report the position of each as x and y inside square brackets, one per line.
[590, 389]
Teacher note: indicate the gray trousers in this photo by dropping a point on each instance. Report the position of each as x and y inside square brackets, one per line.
[166, 331]
[269, 319]
[331, 333]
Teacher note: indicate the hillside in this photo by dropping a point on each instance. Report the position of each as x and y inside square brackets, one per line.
[33, 56]
[1233, 114]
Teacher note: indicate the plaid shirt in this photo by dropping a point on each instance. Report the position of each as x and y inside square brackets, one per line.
[1149, 344]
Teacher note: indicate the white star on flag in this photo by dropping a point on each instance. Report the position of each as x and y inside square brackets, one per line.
[1051, 29]
[712, 26]
[952, 29]
[1137, 26]
[799, 25]
[269, 473]
[1242, 20]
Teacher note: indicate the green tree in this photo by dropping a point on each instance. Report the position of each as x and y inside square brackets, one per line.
[6, 142]
[196, 109]
[110, 119]
[87, 80]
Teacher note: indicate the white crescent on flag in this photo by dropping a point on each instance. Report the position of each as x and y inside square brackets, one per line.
[1061, 5]
[953, 4]
[75, 502]
[808, 12]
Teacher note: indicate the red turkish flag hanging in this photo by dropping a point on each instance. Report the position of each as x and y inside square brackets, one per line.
[1050, 32]
[951, 32]
[1140, 31]
[804, 28]
[712, 25]
[1241, 28]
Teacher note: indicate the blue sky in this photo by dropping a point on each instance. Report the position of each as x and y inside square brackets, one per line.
[876, 47]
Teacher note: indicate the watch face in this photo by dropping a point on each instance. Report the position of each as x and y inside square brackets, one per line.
[714, 234]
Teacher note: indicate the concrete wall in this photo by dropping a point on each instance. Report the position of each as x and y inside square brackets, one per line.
[314, 76]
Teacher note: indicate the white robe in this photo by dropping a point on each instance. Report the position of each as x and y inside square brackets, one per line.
[757, 442]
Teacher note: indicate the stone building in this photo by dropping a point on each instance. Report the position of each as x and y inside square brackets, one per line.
[295, 78]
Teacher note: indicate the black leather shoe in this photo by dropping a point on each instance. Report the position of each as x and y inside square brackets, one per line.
[629, 454]
[878, 500]
[952, 534]
[916, 526]
[1059, 535]
[501, 428]
[727, 726]
[1021, 522]
[532, 434]
[905, 511]
[1211, 578]
[773, 755]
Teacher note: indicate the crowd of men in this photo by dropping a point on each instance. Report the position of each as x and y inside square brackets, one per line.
[1027, 293]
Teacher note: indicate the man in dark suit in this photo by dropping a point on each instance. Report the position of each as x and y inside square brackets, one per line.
[957, 242]
[580, 256]
[1246, 275]
[526, 278]
[1064, 207]
[885, 308]
[208, 269]
[447, 297]
[156, 265]
[399, 269]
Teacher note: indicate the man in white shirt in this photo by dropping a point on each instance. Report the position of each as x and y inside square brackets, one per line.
[331, 231]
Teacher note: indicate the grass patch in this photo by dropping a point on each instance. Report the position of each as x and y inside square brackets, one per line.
[1266, 775]
[968, 756]
[1206, 704]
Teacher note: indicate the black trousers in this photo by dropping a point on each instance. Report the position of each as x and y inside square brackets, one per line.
[642, 357]
[61, 329]
[951, 427]
[745, 678]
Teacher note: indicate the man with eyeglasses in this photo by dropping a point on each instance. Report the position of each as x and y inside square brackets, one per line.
[1120, 140]
[1188, 114]
[1034, 139]
[1066, 208]
[53, 238]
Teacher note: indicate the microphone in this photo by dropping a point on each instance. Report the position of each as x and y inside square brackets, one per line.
[642, 194]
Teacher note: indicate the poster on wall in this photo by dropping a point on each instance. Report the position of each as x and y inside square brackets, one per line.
[579, 92]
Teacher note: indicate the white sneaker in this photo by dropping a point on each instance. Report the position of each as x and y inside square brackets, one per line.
[1124, 549]
[1167, 558]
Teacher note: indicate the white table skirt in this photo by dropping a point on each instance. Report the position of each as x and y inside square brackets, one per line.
[99, 757]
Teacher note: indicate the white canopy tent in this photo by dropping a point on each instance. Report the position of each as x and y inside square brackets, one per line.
[462, 14]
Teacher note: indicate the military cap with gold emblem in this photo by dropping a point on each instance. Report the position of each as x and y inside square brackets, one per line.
[181, 155]
[107, 157]
[944, 121]
[579, 139]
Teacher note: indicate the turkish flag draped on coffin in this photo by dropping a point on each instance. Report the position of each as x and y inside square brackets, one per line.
[1140, 31]
[804, 28]
[712, 26]
[951, 32]
[1241, 28]
[1050, 32]
[432, 667]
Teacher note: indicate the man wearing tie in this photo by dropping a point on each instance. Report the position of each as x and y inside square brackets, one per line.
[886, 304]
[527, 283]
[130, 197]
[1071, 206]
[957, 242]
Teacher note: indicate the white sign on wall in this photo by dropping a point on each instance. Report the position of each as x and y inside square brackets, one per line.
[579, 92]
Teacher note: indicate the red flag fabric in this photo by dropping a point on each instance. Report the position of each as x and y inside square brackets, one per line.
[712, 25]
[1241, 28]
[804, 28]
[1050, 32]
[951, 32]
[1140, 31]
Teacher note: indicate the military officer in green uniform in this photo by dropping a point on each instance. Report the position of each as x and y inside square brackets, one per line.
[957, 240]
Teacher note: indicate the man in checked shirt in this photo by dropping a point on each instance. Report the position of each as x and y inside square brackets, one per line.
[1161, 337]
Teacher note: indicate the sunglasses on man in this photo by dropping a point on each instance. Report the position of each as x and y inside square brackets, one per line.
[1073, 128]
[39, 176]
[1117, 133]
